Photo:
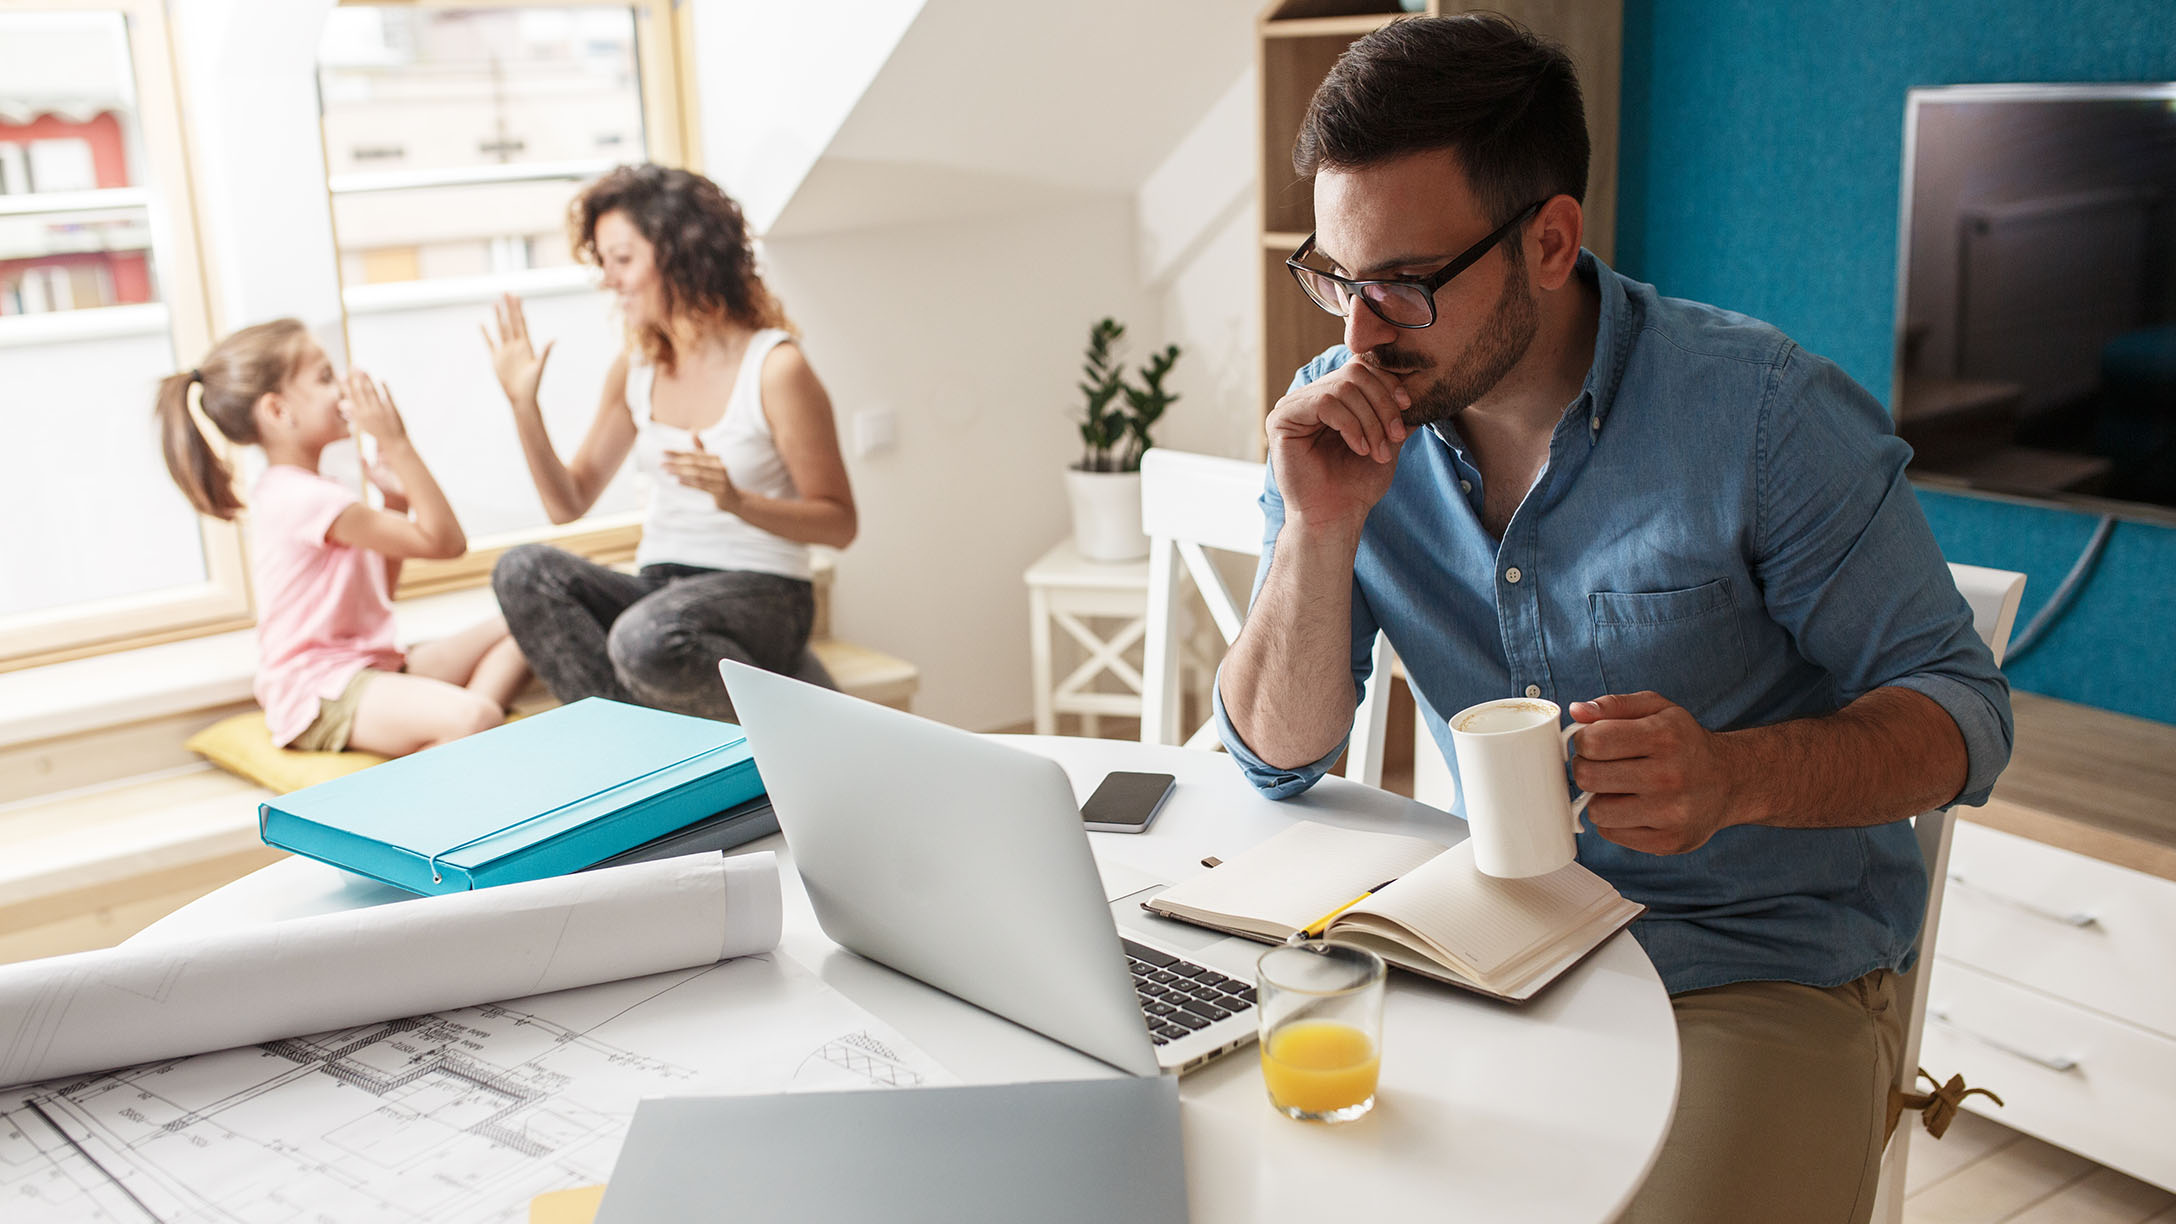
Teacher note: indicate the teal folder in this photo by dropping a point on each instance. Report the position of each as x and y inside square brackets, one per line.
[543, 796]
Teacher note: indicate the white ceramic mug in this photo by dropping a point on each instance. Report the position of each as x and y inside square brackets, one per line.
[1511, 771]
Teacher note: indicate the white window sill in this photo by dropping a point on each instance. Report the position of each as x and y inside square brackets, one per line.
[206, 673]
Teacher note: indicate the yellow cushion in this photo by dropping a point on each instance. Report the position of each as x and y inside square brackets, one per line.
[243, 745]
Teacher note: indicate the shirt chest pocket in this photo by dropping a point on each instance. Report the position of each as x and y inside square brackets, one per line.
[1683, 644]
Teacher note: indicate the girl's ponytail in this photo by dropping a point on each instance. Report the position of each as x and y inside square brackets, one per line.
[239, 371]
[204, 477]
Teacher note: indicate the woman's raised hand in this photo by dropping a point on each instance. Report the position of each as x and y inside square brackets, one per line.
[518, 364]
[371, 410]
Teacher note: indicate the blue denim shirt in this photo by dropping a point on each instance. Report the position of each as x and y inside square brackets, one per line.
[1723, 519]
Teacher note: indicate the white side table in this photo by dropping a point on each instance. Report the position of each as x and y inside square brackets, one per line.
[1103, 607]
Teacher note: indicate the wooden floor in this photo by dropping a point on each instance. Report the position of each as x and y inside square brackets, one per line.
[1982, 1172]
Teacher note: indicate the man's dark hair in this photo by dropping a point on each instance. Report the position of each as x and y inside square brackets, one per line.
[1503, 98]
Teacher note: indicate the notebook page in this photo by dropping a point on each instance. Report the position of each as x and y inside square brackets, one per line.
[1485, 923]
[1300, 874]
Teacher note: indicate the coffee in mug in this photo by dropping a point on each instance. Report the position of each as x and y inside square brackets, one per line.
[1511, 759]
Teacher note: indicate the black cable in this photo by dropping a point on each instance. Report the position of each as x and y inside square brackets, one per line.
[2050, 612]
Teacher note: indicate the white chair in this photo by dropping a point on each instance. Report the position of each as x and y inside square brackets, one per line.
[1993, 595]
[1193, 502]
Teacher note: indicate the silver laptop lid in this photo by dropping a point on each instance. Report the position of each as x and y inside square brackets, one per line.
[956, 861]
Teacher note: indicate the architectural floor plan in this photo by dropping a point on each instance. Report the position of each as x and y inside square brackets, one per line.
[459, 1116]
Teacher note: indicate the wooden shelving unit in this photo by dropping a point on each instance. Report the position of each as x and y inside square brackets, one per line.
[1298, 42]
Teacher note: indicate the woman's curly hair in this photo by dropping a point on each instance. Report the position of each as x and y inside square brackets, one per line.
[704, 257]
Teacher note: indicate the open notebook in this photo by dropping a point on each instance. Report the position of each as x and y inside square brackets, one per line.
[1439, 916]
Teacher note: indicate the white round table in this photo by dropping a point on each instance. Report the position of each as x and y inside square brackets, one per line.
[1550, 1111]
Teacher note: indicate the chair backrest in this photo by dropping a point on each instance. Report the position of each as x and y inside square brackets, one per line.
[1190, 503]
[1993, 596]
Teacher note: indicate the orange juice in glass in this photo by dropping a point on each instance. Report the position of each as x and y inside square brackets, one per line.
[1321, 1007]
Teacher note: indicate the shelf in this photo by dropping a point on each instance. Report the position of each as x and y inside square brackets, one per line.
[1288, 12]
[1294, 329]
[1349, 27]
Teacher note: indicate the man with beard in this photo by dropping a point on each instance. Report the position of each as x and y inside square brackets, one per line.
[1542, 478]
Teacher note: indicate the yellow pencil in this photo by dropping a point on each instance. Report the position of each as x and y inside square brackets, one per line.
[1314, 930]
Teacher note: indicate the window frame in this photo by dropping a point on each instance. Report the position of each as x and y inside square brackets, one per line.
[663, 44]
[222, 600]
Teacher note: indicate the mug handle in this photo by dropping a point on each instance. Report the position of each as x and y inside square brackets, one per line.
[1564, 742]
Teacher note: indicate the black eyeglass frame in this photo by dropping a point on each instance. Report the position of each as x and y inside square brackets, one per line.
[1428, 285]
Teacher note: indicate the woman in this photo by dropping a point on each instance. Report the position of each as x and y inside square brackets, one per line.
[723, 414]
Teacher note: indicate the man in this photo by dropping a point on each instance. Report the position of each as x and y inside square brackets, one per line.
[1539, 477]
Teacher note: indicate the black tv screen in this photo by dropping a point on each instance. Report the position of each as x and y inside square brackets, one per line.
[2036, 329]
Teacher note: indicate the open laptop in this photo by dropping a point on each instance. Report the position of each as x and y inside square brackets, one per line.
[962, 862]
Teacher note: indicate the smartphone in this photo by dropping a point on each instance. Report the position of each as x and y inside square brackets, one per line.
[1126, 802]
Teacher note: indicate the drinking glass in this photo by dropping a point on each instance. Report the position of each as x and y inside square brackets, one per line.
[1321, 1007]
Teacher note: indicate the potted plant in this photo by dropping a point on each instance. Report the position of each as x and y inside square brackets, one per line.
[1116, 417]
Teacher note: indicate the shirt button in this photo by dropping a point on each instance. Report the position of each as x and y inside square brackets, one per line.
[1512, 575]
[1596, 423]
[1465, 486]
[1533, 690]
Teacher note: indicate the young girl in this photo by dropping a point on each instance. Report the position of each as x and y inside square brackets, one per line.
[329, 676]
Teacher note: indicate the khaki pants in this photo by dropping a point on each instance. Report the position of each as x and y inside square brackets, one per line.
[1782, 1093]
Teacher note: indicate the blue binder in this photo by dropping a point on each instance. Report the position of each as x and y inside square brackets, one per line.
[543, 796]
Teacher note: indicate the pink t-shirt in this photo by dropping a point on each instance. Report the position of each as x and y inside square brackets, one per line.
[323, 611]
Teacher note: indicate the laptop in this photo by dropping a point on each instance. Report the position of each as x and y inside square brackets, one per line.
[961, 862]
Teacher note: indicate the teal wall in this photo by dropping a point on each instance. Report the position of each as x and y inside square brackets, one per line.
[1760, 152]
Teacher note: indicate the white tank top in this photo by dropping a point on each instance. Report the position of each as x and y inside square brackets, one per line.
[683, 525]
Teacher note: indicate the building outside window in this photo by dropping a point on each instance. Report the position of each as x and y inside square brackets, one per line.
[100, 294]
[455, 137]
[75, 230]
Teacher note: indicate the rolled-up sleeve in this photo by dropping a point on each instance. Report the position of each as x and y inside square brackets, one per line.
[1851, 570]
[1270, 780]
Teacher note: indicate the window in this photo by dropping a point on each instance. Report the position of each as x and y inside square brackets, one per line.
[100, 293]
[456, 135]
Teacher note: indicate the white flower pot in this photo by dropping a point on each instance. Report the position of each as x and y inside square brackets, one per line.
[1106, 515]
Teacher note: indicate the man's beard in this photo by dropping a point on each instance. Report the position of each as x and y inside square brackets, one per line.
[1501, 345]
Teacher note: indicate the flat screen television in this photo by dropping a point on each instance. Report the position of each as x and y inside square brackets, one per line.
[2036, 284]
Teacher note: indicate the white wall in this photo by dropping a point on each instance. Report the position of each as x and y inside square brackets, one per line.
[248, 72]
[776, 80]
[1199, 258]
[970, 331]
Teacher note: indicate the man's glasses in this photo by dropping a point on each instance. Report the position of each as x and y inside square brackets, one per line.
[1405, 301]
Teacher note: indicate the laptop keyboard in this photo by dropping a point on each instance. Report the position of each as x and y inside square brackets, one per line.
[1178, 996]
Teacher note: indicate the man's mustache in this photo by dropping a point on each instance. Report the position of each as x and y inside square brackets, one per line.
[1395, 361]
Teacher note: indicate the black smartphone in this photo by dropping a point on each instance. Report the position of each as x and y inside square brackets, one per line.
[1126, 802]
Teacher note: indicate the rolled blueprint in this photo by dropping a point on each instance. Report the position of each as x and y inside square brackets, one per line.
[141, 1002]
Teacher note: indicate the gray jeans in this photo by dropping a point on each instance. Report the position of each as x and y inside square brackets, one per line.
[652, 638]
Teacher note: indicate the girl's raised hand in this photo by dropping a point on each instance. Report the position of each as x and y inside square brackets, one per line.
[371, 410]
[517, 363]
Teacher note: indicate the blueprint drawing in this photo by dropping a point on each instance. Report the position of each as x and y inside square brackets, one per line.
[462, 1115]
